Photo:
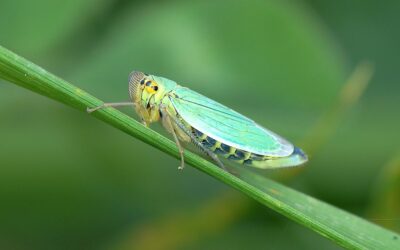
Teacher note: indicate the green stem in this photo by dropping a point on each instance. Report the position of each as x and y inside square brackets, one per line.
[343, 228]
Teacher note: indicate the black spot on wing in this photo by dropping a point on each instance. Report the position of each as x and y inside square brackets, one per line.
[240, 154]
[248, 162]
[211, 140]
[225, 148]
[257, 157]
[197, 133]
[219, 151]
[208, 142]
[233, 158]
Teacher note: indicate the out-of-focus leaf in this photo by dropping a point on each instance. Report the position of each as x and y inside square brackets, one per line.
[34, 27]
[270, 53]
[385, 206]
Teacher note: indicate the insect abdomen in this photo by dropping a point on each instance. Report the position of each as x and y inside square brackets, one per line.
[228, 152]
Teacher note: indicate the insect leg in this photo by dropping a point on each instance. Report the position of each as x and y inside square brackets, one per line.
[208, 152]
[212, 155]
[178, 144]
[115, 104]
[106, 105]
[195, 141]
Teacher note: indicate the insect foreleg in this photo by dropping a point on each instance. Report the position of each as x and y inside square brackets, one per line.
[178, 144]
[116, 104]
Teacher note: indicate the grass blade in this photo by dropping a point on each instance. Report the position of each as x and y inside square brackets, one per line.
[342, 227]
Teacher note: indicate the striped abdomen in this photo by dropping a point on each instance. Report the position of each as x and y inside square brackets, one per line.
[228, 152]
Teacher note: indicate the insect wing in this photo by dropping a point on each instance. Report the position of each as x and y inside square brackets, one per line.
[227, 126]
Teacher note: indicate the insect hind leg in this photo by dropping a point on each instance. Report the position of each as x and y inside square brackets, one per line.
[194, 139]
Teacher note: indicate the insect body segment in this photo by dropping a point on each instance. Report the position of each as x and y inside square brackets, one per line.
[229, 152]
[248, 158]
[214, 128]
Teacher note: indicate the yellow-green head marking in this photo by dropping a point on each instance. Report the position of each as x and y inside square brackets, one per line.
[147, 93]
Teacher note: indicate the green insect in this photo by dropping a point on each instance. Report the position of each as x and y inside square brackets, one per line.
[216, 129]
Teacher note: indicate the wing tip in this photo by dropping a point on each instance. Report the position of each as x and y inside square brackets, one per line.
[300, 153]
[297, 158]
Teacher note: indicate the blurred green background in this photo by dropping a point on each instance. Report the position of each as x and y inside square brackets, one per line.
[68, 181]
